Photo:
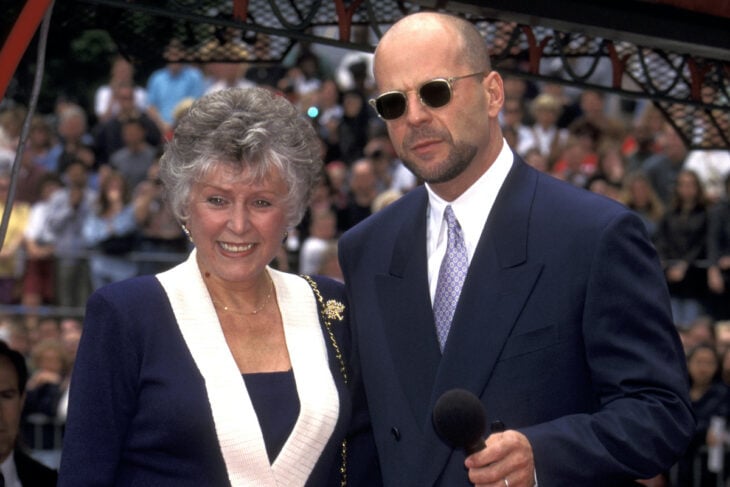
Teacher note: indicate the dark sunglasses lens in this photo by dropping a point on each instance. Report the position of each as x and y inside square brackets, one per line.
[436, 93]
[391, 105]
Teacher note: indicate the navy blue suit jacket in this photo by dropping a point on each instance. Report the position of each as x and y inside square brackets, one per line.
[31, 472]
[563, 329]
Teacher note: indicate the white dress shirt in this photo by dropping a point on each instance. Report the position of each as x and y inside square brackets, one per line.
[9, 472]
[472, 209]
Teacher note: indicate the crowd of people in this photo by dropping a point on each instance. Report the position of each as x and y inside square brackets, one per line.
[90, 208]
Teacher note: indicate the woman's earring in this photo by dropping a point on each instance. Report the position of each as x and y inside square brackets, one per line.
[187, 232]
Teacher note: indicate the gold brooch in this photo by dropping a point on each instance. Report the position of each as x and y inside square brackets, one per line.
[333, 309]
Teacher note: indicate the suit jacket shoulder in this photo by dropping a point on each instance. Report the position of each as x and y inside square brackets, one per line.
[33, 473]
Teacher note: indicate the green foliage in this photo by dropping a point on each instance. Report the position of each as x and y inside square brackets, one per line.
[92, 47]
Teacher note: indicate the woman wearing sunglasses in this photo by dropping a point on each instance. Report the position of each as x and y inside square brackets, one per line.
[548, 301]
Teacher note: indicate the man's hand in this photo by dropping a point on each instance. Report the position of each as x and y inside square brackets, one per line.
[505, 462]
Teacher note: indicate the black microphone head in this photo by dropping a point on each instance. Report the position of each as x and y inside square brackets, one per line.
[461, 419]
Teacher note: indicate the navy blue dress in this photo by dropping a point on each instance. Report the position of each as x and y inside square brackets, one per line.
[275, 400]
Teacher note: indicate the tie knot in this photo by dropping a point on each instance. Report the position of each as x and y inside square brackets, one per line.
[451, 220]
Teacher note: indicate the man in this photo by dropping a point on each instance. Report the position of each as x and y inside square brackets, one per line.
[170, 85]
[67, 210]
[563, 324]
[108, 137]
[17, 468]
[662, 168]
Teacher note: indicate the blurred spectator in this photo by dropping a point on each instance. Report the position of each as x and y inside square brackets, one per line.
[11, 125]
[32, 169]
[701, 331]
[48, 378]
[109, 232]
[724, 353]
[338, 175]
[593, 111]
[544, 134]
[641, 142]
[611, 162]
[718, 255]
[389, 170]
[599, 184]
[352, 133]
[662, 168]
[306, 77]
[567, 99]
[39, 279]
[321, 200]
[588, 136]
[15, 335]
[363, 191]
[108, 136]
[169, 85]
[572, 167]
[47, 384]
[710, 398]
[721, 332]
[513, 119]
[227, 75]
[17, 467]
[681, 242]
[638, 194]
[535, 158]
[30, 179]
[121, 73]
[12, 257]
[322, 231]
[70, 332]
[75, 142]
[385, 198]
[330, 264]
[158, 230]
[328, 115]
[67, 211]
[134, 159]
[519, 89]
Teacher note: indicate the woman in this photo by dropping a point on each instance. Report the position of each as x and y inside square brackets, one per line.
[157, 396]
[681, 242]
[110, 232]
[709, 400]
[638, 194]
[718, 254]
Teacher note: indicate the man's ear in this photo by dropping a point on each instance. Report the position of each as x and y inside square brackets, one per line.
[494, 87]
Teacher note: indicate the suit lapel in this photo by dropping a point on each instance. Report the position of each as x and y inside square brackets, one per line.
[404, 293]
[497, 285]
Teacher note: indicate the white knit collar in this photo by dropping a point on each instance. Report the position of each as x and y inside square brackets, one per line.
[236, 424]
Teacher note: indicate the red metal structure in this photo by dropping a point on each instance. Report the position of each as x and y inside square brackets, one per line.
[673, 52]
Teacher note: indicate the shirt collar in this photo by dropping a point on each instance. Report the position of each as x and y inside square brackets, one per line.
[472, 207]
[9, 471]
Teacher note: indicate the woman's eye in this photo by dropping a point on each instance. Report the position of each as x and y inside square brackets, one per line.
[216, 200]
[261, 203]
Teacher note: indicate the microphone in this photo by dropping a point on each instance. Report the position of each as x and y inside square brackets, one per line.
[461, 420]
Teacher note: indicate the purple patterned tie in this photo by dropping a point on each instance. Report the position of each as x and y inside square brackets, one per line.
[451, 277]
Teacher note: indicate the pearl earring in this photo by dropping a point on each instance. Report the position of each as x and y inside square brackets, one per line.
[187, 232]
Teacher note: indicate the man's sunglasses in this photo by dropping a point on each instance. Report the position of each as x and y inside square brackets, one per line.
[434, 94]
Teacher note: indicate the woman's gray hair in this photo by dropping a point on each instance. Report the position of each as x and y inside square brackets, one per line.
[249, 129]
